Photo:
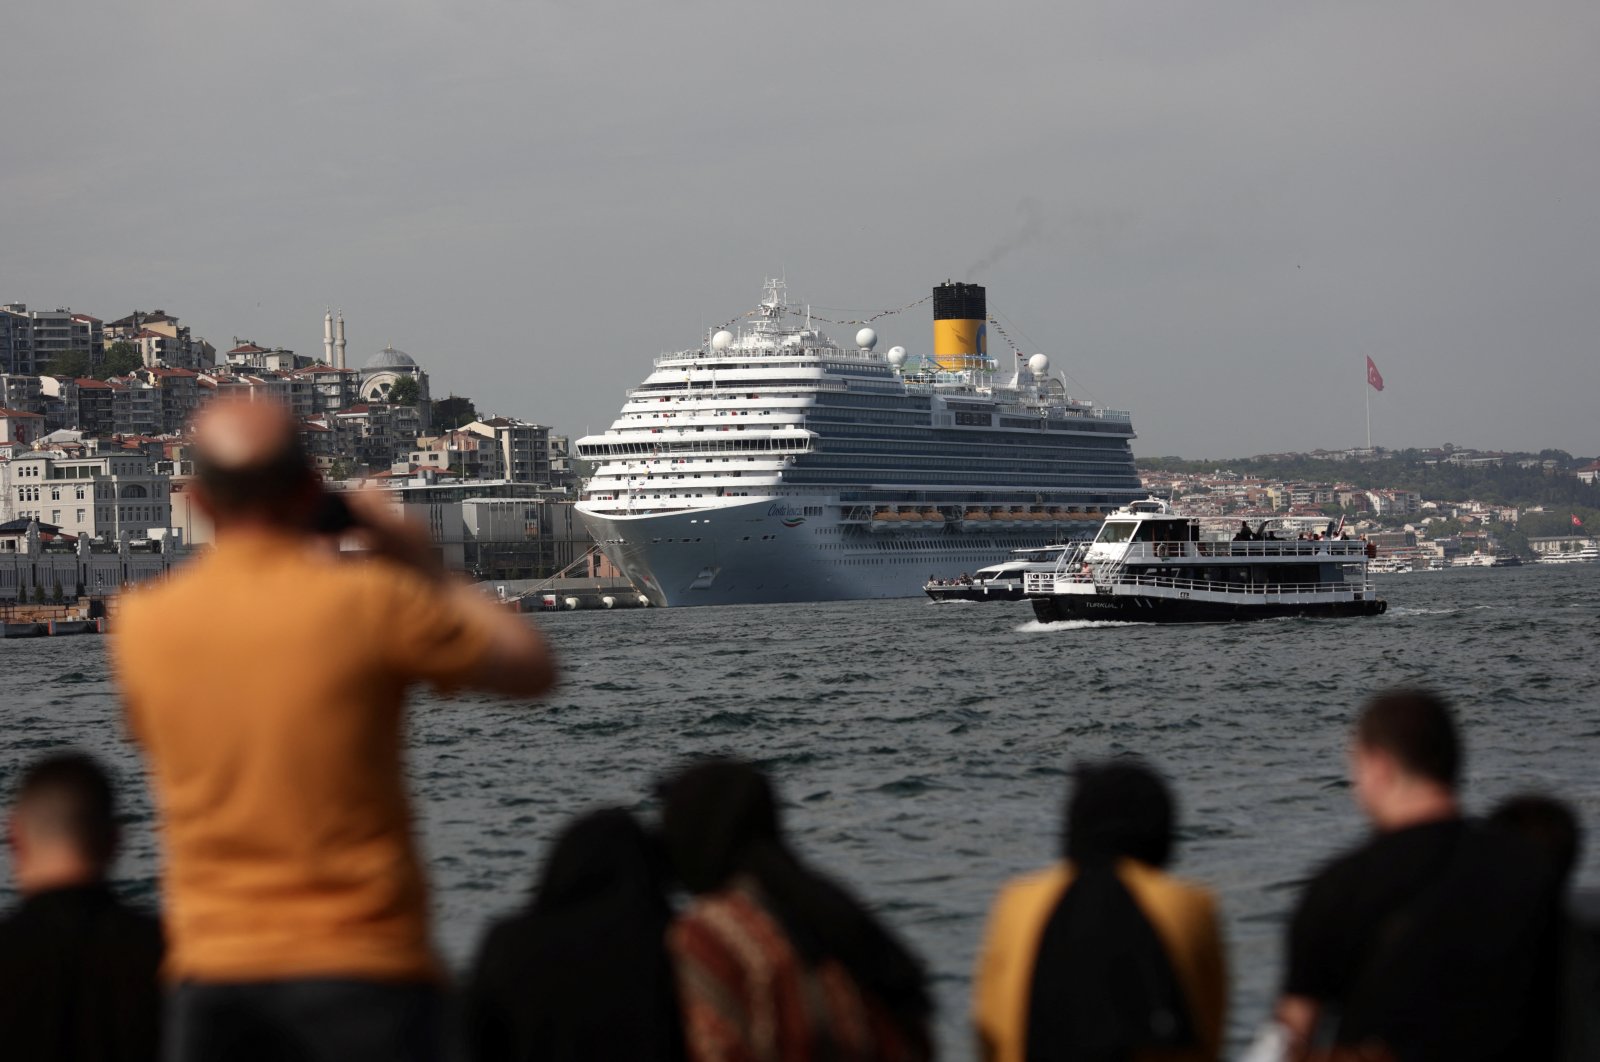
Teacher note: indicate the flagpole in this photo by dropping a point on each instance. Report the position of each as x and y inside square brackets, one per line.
[1367, 391]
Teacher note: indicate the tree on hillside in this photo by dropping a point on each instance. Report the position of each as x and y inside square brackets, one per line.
[453, 412]
[122, 357]
[405, 391]
[73, 363]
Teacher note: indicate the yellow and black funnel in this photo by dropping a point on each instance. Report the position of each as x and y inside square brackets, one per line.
[960, 326]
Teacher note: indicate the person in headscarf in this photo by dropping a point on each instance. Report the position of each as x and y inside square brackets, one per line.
[582, 972]
[775, 963]
[1104, 956]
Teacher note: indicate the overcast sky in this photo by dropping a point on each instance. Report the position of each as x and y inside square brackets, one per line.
[1206, 213]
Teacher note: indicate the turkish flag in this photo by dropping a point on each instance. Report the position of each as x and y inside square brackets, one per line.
[1575, 521]
[1374, 377]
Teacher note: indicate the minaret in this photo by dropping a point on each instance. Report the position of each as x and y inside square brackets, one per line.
[340, 341]
[327, 338]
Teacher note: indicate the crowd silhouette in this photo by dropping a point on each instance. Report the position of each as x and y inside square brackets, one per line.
[294, 921]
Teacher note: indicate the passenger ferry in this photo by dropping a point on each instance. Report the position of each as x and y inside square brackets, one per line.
[773, 464]
[997, 582]
[1149, 565]
[1588, 554]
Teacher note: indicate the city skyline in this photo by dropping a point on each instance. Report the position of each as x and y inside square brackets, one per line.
[1210, 218]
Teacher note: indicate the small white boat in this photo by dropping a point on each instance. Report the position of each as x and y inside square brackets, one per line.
[998, 582]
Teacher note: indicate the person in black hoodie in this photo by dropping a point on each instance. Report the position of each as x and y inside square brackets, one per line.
[776, 962]
[78, 969]
[582, 972]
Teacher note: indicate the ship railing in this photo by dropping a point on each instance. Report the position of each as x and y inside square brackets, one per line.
[1046, 582]
[1340, 549]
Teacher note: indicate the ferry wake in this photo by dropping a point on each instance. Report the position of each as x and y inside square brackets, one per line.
[772, 464]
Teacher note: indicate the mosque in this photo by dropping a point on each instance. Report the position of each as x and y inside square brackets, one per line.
[381, 371]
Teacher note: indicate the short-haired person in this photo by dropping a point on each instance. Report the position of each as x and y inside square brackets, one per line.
[265, 683]
[78, 969]
[1104, 955]
[1433, 939]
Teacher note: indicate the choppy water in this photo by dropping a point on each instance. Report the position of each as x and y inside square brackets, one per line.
[923, 749]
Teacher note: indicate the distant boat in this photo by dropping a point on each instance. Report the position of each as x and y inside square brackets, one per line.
[998, 582]
[1487, 560]
[1588, 554]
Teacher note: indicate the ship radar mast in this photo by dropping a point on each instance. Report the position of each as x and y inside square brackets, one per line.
[774, 305]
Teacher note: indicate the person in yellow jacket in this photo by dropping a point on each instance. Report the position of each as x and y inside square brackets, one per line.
[1103, 955]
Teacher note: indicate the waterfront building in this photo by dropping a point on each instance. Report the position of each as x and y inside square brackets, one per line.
[39, 562]
[98, 494]
[492, 529]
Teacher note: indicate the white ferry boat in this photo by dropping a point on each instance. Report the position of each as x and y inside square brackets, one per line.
[772, 464]
[997, 582]
[1585, 555]
[1148, 565]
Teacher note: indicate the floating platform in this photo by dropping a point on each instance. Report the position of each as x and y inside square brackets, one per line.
[48, 628]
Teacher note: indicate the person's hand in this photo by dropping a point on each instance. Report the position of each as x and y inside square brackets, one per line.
[388, 534]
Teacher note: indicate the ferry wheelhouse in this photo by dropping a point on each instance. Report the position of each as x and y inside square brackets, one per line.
[1150, 565]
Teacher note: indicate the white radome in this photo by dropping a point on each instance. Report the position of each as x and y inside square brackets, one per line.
[1039, 364]
[866, 339]
[722, 340]
[897, 356]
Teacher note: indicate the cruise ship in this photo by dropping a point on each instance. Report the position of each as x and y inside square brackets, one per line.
[771, 464]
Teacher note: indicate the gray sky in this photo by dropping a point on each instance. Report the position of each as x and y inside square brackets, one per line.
[1207, 213]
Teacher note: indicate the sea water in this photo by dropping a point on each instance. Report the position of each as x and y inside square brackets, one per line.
[923, 750]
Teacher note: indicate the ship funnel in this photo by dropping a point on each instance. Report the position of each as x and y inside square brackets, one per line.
[960, 326]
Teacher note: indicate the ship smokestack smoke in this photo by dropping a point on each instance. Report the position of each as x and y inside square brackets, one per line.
[1030, 226]
[960, 326]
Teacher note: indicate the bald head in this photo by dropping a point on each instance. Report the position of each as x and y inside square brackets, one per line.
[250, 463]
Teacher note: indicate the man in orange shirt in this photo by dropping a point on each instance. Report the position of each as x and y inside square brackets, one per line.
[265, 683]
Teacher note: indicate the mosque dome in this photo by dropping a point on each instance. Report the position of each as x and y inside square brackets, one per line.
[390, 358]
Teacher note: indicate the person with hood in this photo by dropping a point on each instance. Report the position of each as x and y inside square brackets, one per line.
[775, 963]
[1104, 956]
[582, 972]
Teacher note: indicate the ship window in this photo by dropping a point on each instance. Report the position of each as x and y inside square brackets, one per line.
[1116, 531]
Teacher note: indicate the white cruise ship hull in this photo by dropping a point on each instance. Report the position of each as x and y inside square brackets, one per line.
[769, 550]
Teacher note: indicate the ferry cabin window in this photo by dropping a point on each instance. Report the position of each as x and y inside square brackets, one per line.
[1116, 531]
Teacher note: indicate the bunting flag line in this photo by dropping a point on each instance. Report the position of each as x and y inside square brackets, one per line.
[867, 320]
[1009, 342]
